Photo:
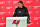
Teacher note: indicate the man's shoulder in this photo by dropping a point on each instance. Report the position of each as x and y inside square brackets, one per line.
[25, 8]
[16, 9]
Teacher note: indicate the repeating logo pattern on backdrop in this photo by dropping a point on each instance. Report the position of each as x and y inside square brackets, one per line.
[7, 9]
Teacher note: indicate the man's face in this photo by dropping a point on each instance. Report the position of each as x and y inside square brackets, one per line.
[20, 5]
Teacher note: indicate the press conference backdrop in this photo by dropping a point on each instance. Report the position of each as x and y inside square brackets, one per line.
[7, 9]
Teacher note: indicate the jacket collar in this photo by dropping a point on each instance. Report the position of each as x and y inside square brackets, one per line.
[21, 8]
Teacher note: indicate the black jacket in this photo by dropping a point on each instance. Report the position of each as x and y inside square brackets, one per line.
[21, 12]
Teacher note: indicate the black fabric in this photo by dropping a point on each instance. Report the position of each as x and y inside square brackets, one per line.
[21, 12]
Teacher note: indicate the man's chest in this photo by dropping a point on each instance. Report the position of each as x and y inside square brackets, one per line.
[21, 12]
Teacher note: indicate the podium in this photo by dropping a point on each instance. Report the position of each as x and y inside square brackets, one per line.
[16, 22]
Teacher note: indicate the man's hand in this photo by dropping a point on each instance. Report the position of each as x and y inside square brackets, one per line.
[28, 21]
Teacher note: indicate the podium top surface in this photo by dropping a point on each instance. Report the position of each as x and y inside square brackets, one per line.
[16, 17]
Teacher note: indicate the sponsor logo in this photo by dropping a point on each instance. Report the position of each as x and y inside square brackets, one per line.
[15, 2]
[2, 2]
[8, 7]
[29, 1]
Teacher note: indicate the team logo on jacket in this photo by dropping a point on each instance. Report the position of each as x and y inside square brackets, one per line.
[19, 11]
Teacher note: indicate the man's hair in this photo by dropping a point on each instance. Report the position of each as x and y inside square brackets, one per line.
[20, 2]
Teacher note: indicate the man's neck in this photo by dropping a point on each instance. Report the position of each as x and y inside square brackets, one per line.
[21, 7]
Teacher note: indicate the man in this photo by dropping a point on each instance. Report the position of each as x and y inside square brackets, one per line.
[22, 11]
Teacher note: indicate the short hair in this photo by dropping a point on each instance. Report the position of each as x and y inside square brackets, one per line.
[20, 2]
